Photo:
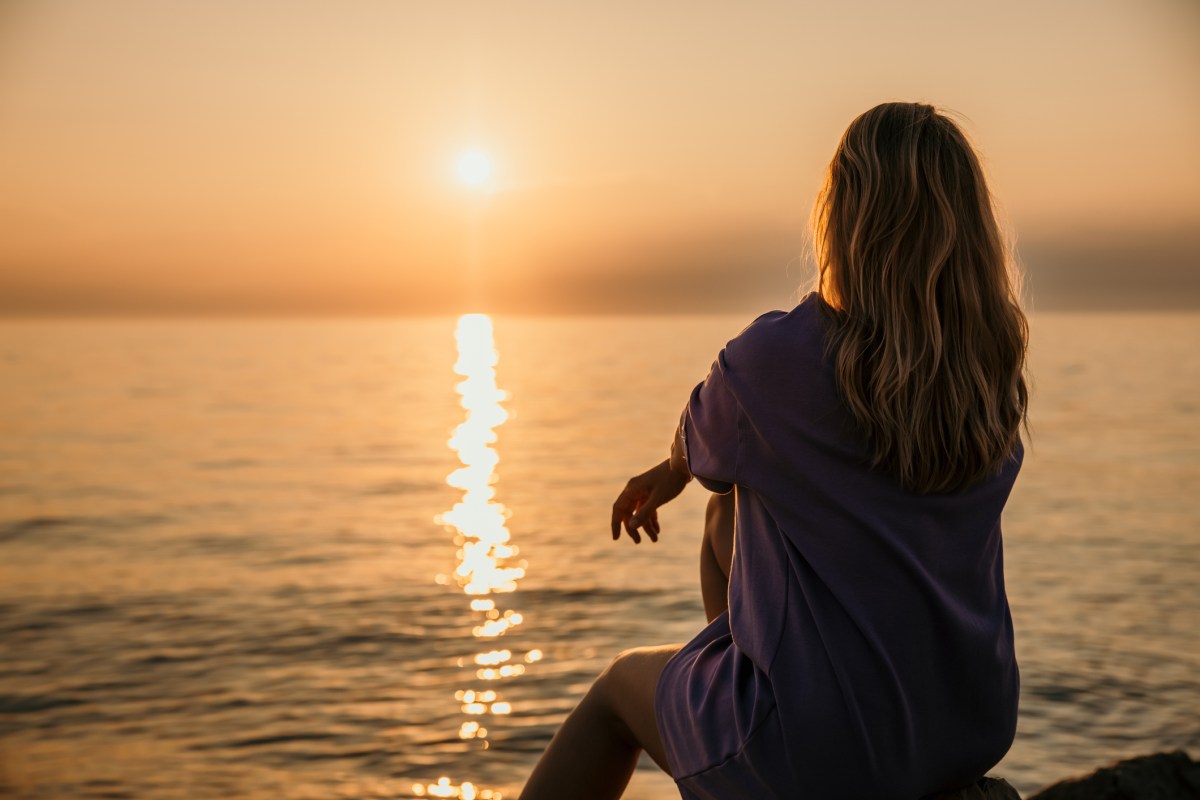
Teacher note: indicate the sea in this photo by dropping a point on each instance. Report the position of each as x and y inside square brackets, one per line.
[370, 558]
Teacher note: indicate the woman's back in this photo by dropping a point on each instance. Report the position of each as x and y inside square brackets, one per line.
[868, 646]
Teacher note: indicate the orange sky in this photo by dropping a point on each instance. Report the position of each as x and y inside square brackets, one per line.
[299, 157]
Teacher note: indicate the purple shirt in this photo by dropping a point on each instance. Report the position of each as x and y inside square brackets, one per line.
[868, 646]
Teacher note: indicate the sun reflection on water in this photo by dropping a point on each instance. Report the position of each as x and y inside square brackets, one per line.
[488, 569]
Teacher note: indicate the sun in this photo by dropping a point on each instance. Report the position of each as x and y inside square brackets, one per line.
[474, 167]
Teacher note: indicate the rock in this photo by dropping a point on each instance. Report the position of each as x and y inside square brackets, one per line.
[1162, 776]
[985, 789]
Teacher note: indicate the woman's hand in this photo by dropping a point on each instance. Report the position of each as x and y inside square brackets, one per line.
[637, 505]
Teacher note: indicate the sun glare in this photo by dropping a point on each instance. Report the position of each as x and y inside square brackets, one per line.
[488, 568]
[474, 167]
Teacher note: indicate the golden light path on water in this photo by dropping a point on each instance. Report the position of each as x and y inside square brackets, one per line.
[485, 556]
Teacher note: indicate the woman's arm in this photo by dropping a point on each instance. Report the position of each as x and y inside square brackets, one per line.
[637, 505]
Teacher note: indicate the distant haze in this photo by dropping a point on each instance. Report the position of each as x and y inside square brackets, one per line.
[284, 157]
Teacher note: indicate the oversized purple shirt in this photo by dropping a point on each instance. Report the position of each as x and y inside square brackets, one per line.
[868, 646]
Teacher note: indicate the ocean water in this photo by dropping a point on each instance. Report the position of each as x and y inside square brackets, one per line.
[309, 559]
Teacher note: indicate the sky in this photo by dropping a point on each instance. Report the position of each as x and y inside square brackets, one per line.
[165, 157]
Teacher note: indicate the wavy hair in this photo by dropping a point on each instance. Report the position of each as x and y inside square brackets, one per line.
[926, 331]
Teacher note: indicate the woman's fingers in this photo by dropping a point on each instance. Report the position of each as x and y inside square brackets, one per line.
[646, 516]
[619, 515]
[647, 519]
[624, 507]
[631, 523]
[637, 505]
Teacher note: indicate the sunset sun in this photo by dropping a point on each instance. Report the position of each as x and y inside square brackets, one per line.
[474, 167]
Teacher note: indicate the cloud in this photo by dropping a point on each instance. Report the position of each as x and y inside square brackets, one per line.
[1130, 271]
[730, 269]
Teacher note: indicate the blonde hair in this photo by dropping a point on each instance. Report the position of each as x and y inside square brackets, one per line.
[927, 335]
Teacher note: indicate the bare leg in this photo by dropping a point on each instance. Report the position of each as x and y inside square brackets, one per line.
[595, 751]
[716, 554]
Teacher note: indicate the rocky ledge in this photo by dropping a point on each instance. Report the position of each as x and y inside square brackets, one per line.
[1162, 776]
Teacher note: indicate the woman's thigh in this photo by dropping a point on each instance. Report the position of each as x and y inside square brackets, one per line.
[628, 685]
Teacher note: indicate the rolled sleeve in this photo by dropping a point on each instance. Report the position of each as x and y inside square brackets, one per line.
[710, 426]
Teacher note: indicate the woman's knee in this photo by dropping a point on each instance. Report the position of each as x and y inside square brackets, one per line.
[626, 689]
[630, 680]
[624, 673]
[617, 693]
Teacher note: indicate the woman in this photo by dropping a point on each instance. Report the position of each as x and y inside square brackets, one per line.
[865, 443]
